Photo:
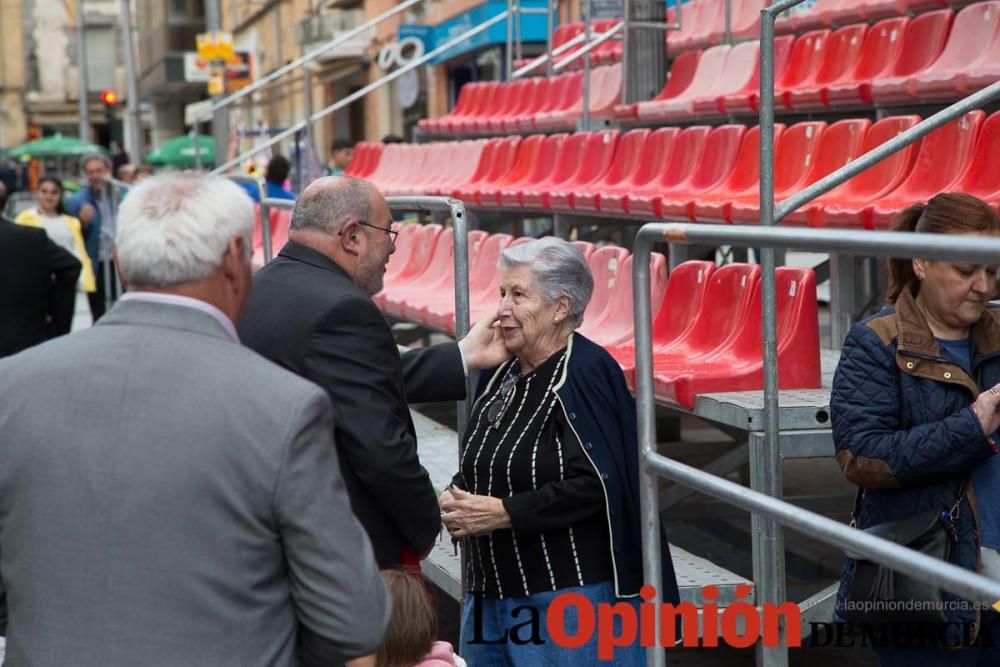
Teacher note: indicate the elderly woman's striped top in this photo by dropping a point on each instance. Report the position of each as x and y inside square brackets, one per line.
[519, 447]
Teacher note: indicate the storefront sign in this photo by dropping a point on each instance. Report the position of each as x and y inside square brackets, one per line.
[398, 54]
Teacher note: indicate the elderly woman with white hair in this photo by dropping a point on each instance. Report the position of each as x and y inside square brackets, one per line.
[546, 500]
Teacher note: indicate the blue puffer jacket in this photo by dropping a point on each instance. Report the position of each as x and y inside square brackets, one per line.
[903, 424]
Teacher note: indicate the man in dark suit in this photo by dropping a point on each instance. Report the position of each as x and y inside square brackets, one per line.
[40, 279]
[311, 311]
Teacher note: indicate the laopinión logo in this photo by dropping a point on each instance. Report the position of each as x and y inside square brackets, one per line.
[738, 624]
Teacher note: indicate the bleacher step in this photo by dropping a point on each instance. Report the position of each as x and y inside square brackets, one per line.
[437, 446]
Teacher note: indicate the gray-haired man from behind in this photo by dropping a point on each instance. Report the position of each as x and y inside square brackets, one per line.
[199, 517]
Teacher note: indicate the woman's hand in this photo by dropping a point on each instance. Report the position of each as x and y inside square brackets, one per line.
[468, 515]
[985, 408]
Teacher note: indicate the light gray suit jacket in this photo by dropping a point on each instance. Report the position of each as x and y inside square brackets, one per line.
[168, 497]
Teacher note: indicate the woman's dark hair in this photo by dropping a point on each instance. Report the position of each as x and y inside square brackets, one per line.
[945, 213]
[60, 209]
[413, 627]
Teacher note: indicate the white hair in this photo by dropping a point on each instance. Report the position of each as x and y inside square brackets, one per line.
[175, 228]
[560, 269]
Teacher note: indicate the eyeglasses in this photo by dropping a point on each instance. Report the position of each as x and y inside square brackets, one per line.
[388, 230]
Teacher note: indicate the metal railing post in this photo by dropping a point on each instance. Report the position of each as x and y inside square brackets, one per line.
[727, 34]
[509, 51]
[590, 46]
[585, 119]
[626, 27]
[649, 495]
[392, 76]
[549, 28]
[768, 545]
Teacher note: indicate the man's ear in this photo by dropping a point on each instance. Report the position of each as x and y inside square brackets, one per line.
[349, 238]
[234, 259]
[118, 270]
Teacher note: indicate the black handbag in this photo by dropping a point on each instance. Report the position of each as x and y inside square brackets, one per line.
[878, 594]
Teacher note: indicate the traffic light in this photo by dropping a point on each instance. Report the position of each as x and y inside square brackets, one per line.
[109, 97]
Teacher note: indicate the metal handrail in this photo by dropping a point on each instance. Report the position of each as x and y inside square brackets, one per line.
[548, 56]
[392, 76]
[857, 242]
[590, 46]
[295, 64]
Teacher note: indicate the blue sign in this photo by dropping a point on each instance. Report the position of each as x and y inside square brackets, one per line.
[533, 29]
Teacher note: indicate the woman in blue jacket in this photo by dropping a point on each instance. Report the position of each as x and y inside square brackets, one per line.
[546, 500]
[914, 413]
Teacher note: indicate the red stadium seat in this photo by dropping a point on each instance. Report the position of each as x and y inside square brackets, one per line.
[406, 242]
[535, 161]
[466, 98]
[538, 97]
[567, 95]
[706, 28]
[923, 41]
[743, 181]
[743, 100]
[605, 93]
[657, 150]
[682, 72]
[469, 173]
[568, 155]
[745, 20]
[797, 149]
[716, 163]
[627, 155]
[500, 162]
[820, 15]
[422, 296]
[676, 313]
[439, 309]
[981, 178]
[738, 366]
[364, 159]
[616, 324]
[433, 275]
[720, 312]
[691, 23]
[520, 169]
[881, 47]
[402, 271]
[554, 96]
[840, 143]
[844, 206]
[840, 55]
[742, 65]
[607, 265]
[710, 68]
[598, 152]
[491, 95]
[968, 45]
[803, 65]
[597, 28]
[585, 247]
[280, 220]
[985, 72]
[943, 154]
[513, 98]
[678, 169]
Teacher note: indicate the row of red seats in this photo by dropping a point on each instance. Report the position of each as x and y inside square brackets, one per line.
[703, 173]
[703, 23]
[935, 56]
[706, 328]
[526, 105]
[830, 13]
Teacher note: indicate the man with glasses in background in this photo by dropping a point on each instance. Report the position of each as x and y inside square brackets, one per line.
[311, 311]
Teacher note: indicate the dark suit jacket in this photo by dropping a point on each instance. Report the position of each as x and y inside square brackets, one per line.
[39, 279]
[306, 314]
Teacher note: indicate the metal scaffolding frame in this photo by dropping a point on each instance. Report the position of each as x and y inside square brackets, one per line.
[340, 104]
[769, 513]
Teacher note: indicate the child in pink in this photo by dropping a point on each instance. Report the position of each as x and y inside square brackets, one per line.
[410, 639]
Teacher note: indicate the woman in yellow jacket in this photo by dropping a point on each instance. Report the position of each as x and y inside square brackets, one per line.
[63, 229]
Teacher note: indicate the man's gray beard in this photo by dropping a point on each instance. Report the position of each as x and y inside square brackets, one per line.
[371, 279]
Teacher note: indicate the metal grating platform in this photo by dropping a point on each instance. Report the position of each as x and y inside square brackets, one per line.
[437, 447]
[798, 408]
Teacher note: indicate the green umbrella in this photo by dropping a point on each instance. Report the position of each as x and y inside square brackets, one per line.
[56, 146]
[180, 152]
